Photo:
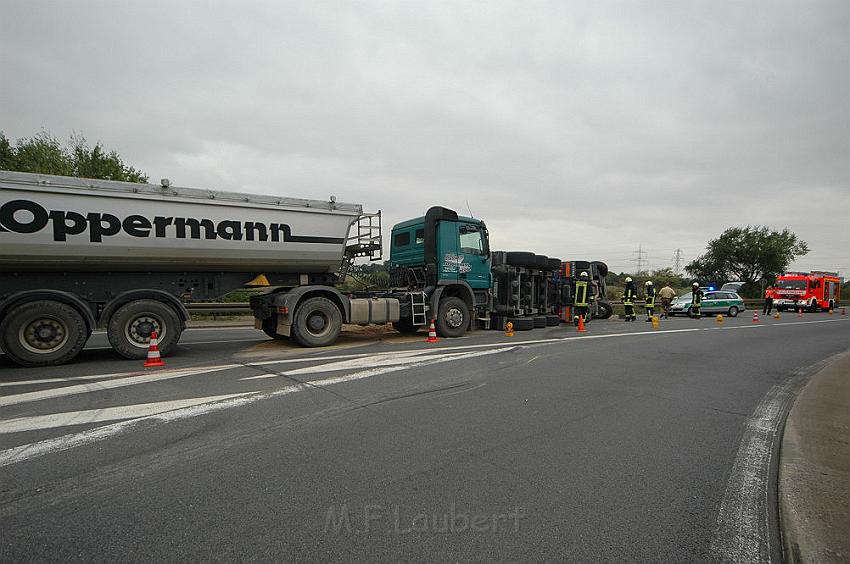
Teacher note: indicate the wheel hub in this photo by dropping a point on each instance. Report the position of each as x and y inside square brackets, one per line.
[454, 317]
[43, 335]
[316, 323]
[139, 330]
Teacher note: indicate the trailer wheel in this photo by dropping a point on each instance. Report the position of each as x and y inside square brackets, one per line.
[130, 327]
[604, 310]
[554, 264]
[539, 321]
[270, 329]
[520, 258]
[43, 333]
[452, 317]
[317, 322]
[553, 321]
[522, 323]
[601, 268]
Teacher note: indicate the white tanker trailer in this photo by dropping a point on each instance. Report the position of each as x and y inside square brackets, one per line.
[76, 254]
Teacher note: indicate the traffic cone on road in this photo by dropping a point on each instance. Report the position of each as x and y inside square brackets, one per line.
[756, 317]
[581, 328]
[655, 321]
[843, 311]
[432, 334]
[153, 359]
[799, 312]
[719, 319]
[777, 315]
[509, 329]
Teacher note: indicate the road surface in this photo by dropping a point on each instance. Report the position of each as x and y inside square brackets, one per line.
[625, 443]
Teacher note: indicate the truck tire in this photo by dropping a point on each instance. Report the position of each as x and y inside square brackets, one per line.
[519, 258]
[316, 323]
[604, 310]
[406, 326]
[814, 307]
[130, 327]
[522, 323]
[452, 317]
[552, 321]
[541, 261]
[554, 264]
[43, 333]
[601, 268]
[539, 321]
[270, 329]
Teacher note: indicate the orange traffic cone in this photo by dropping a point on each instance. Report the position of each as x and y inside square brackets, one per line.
[799, 312]
[756, 317]
[153, 353]
[581, 328]
[432, 334]
[509, 329]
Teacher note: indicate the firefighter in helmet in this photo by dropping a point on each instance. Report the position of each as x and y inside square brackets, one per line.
[629, 296]
[696, 300]
[582, 298]
[650, 299]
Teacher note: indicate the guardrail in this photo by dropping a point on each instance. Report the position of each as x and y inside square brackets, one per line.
[239, 308]
[234, 308]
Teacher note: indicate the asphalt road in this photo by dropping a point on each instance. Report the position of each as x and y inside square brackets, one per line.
[625, 443]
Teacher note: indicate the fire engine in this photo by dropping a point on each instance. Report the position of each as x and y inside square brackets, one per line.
[813, 291]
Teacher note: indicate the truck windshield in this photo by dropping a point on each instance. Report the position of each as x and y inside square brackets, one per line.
[791, 284]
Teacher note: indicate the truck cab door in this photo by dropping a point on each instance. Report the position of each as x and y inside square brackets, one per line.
[448, 256]
[475, 253]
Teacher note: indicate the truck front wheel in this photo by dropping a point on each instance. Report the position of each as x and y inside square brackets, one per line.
[43, 333]
[129, 329]
[452, 317]
[317, 323]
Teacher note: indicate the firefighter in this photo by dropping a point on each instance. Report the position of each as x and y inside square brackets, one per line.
[696, 300]
[629, 296]
[581, 299]
[650, 299]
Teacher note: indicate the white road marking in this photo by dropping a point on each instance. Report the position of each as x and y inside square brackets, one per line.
[109, 384]
[68, 418]
[403, 357]
[65, 442]
[742, 529]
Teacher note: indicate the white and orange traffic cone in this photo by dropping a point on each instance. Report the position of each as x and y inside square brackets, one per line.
[154, 359]
[432, 334]
[756, 317]
[799, 312]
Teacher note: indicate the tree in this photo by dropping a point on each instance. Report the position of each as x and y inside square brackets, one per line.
[44, 154]
[749, 254]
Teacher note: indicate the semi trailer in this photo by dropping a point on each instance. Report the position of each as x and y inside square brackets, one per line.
[78, 254]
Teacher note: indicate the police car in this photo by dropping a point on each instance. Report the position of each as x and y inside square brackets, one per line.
[713, 302]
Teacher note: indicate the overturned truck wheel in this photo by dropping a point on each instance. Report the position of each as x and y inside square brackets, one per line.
[43, 333]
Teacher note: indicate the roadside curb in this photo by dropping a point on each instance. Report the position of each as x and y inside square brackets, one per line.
[814, 469]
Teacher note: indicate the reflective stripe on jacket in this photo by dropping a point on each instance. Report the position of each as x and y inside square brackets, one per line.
[581, 294]
[650, 297]
[629, 296]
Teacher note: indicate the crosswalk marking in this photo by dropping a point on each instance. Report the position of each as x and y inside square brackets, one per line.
[70, 418]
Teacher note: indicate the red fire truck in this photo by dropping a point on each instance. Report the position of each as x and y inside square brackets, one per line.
[811, 291]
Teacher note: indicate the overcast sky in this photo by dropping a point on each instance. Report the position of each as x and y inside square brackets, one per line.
[578, 130]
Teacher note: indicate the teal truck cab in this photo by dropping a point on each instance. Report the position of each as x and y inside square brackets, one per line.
[446, 258]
